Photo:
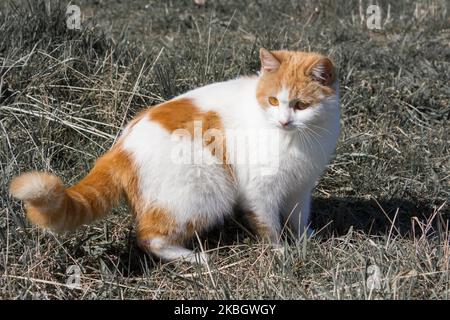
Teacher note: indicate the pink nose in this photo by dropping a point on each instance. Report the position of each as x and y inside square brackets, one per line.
[284, 123]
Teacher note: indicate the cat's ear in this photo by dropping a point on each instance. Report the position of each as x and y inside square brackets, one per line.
[323, 72]
[269, 62]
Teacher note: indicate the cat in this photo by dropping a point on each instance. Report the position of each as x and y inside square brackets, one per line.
[291, 107]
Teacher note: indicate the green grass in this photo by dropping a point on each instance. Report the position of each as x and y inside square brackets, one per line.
[382, 205]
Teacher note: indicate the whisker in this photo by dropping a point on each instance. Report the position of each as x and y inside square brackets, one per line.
[321, 128]
[316, 136]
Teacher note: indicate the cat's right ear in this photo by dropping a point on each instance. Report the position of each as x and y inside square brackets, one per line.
[269, 62]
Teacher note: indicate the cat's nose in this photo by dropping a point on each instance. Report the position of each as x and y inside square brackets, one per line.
[285, 123]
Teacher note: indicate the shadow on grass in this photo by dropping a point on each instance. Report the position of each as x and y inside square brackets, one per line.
[335, 216]
[330, 217]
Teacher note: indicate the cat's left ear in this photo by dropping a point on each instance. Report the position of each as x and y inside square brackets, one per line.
[323, 72]
[269, 62]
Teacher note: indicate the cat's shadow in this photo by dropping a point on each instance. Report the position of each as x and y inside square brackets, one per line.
[330, 217]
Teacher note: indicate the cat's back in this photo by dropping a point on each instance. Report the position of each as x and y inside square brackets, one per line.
[225, 90]
[233, 101]
[225, 97]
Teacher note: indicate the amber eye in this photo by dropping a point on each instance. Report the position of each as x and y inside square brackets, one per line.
[273, 101]
[300, 105]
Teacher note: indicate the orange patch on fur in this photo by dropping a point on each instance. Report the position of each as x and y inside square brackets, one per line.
[153, 223]
[51, 206]
[184, 114]
[192, 227]
[125, 173]
[260, 229]
[295, 73]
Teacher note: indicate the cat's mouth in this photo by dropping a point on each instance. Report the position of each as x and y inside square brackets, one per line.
[286, 126]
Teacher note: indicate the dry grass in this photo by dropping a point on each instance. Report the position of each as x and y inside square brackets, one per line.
[381, 211]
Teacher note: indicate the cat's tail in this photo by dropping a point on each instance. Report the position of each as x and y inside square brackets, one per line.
[52, 206]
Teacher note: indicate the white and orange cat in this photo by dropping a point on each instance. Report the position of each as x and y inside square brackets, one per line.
[292, 106]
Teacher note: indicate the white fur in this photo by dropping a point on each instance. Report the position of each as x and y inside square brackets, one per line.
[189, 192]
[35, 185]
[169, 252]
[35, 188]
[204, 191]
[301, 160]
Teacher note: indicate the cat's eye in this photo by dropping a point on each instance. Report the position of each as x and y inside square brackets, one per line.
[274, 101]
[300, 105]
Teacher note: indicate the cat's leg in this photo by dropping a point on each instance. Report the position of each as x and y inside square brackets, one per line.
[157, 234]
[264, 225]
[163, 249]
[265, 222]
[297, 214]
[304, 217]
[263, 216]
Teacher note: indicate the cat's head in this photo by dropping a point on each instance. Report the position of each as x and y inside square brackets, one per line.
[296, 88]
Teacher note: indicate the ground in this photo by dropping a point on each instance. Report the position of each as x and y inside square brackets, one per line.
[381, 210]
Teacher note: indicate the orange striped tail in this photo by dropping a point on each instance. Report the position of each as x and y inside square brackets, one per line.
[52, 206]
